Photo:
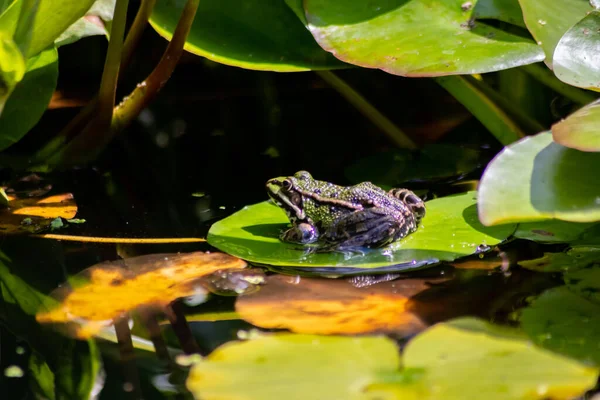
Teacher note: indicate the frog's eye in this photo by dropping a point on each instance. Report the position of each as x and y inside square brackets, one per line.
[286, 184]
[304, 175]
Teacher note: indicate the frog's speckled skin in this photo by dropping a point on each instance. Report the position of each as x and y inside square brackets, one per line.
[359, 215]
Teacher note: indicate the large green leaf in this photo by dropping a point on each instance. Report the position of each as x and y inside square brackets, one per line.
[575, 56]
[580, 129]
[466, 357]
[562, 321]
[449, 230]
[416, 37]
[254, 34]
[536, 179]
[548, 21]
[501, 10]
[30, 97]
[53, 17]
[93, 23]
[12, 68]
[295, 367]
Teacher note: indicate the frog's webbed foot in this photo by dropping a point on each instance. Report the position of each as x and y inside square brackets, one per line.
[302, 233]
[371, 227]
[412, 201]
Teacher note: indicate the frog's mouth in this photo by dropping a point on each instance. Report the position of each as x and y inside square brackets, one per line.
[283, 198]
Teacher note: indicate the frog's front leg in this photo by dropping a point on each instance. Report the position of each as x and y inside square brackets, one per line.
[372, 227]
[302, 233]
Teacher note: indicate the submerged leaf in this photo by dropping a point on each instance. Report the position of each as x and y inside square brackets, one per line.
[449, 230]
[110, 289]
[34, 214]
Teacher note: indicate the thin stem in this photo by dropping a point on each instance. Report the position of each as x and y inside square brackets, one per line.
[394, 133]
[132, 379]
[135, 32]
[547, 77]
[182, 330]
[483, 108]
[145, 92]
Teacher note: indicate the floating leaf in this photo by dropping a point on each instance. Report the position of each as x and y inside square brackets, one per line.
[548, 21]
[449, 230]
[30, 97]
[256, 34]
[580, 129]
[552, 231]
[415, 37]
[110, 289]
[294, 367]
[502, 10]
[573, 259]
[537, 179]
[562, 321]
[451, 355]
[585, 282]
[575, 60]
[34, 214]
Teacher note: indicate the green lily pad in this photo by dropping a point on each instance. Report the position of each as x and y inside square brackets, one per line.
[575, 55]
[449, 230]
[255, 34]
[552, 231]
[294, 367]
[466, 357]
[573, 259]
[548, 21]
[566, 323]
[585, 282]
[416, 37]
[580, 129]
[502, 10]
[30, 97]
[536, 179]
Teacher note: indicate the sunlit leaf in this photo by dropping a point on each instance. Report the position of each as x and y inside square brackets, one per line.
[537, 179]
[580, 129]
[12, 67]
[416, 37]
[502, 10]
[288, 366]
[552, 231]
[575, 58]
[562, 321]
[44, 29]
[30, 97]
[34, 214]
[110, 289]
[255, 34]
[464, 358]
[327, 306]
[548, 21]
[449, 230]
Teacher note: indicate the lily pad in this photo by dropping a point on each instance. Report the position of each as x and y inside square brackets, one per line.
[580, 129]
[564, 322]
[35, 214]
[254, 34]
[466, 357]
[552, 231]
[295, 367]
[548, 21]
[536, 179]
[416, 37]
[585, 282]
[573, 259]
[576, 59]
[449, 230]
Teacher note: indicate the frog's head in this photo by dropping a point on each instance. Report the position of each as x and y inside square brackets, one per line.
[414, 203]
[286, 192]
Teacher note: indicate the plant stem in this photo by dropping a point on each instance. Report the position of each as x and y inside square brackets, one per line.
[547, 77]
[483, 108]
[368, 110]
[145, 91]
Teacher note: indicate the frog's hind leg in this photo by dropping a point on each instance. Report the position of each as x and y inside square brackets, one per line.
[372, 227]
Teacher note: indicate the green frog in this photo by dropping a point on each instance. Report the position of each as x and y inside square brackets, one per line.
[344, 216]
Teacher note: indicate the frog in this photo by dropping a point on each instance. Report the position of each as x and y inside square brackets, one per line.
[337, 217]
